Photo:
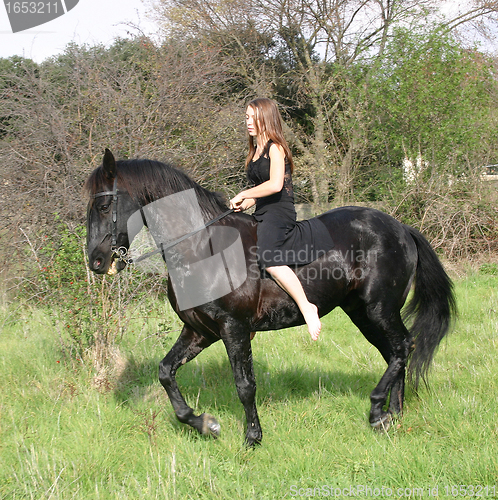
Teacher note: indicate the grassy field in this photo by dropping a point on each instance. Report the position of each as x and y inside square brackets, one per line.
[67, 431]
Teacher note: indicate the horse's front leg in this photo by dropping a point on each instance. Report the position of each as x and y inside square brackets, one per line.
[239, 352]
[187, 347]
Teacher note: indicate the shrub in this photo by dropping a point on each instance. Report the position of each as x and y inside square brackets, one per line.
[89, 312]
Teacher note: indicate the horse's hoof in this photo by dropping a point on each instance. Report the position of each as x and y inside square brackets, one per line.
[254, 436]
[251, 443]
[210, 426]
[383, 424]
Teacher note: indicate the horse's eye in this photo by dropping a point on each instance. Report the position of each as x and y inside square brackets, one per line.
[104, 208]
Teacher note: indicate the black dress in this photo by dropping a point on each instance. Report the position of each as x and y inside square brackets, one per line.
[281, 239]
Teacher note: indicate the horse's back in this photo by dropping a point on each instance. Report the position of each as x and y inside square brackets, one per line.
[378, 250]
[367, 227]
[359, 216]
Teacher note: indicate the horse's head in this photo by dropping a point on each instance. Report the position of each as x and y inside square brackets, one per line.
[109, 208]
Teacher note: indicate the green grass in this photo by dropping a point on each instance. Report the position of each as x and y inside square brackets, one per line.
[68, 432]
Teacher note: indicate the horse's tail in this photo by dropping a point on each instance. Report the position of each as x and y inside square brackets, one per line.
[432, 306]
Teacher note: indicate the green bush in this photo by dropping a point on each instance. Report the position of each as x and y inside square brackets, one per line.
[489, 269]
[87, 311]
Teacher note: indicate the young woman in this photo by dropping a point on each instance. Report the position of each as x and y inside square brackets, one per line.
[281, 240]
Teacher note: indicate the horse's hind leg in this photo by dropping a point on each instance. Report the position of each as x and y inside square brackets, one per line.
[186, 348]
[240, 355]
[383, 328]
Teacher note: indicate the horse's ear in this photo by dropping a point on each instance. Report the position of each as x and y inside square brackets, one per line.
[109, 165]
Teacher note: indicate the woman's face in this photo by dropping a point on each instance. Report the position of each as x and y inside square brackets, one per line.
[251, 122]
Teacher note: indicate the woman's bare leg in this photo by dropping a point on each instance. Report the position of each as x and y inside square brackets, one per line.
[287, 280]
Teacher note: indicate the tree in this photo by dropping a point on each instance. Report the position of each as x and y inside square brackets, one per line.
[432, 100]
[306, 53]
[138, 99]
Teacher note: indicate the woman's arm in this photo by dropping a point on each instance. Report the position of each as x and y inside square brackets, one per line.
[269, 187]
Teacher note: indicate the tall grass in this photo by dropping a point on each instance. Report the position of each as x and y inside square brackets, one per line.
[67, 431]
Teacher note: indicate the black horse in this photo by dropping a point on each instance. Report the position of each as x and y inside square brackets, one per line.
[371, 290]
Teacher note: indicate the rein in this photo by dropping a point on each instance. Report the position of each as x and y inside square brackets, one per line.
[122, 252]
[166, 246]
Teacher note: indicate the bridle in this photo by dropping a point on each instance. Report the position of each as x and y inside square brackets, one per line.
[122, 252]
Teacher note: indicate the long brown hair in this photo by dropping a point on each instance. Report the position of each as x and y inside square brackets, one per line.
[267, 119]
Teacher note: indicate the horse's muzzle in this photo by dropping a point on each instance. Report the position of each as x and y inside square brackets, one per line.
[111, 265]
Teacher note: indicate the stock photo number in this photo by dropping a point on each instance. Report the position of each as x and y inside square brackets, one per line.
[470, 490]
[32, 7]
[24, 15]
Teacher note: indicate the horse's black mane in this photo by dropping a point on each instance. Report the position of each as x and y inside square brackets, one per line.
[149, 180]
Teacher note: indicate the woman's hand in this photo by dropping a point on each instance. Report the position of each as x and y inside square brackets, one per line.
[240, 203]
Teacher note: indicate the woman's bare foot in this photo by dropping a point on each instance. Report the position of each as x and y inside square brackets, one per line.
[312, 320]
[287, 279]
